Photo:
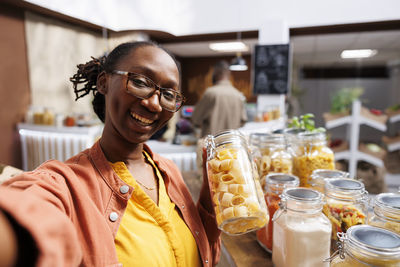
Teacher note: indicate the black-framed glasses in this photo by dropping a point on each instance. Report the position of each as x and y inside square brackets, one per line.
[142, 87]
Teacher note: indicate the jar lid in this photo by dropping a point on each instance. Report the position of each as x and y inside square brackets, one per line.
[302, 194]
[389, 202]
[374, 238]
[344, 184]
[282, 179]
[308, 136]
[292, 131]
[323, 173]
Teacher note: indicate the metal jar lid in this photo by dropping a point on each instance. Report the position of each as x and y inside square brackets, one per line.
[388, 205]
[344, 184]
[282, 178]
[324, 173]
[302, 194]
[374, 239]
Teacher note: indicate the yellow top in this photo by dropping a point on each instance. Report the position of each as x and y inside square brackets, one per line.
[151, 235]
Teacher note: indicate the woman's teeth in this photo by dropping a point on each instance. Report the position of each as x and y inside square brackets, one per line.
[141, 119]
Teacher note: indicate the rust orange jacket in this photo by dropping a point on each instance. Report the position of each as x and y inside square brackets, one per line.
[67, 207]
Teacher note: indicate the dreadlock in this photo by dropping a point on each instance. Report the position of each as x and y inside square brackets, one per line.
[87, 73]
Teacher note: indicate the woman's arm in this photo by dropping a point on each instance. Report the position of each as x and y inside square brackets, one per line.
[8, 242]
[207, 214]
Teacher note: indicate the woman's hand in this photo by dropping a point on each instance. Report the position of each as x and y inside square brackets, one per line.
[8, 242]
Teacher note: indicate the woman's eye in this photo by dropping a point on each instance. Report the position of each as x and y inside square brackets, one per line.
[169, 95]
[139, 83]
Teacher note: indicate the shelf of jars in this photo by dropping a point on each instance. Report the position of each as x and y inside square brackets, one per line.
[355, 152]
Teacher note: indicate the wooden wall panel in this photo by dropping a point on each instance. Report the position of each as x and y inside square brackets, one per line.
[14, 83]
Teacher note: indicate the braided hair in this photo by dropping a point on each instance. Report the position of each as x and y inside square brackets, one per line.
[87, 73]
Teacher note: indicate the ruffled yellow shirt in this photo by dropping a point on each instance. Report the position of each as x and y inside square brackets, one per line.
[151, 235]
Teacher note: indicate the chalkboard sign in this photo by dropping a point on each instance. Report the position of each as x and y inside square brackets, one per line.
[271, 69]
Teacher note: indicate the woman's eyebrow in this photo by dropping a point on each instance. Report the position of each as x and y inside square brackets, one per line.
[149, 73]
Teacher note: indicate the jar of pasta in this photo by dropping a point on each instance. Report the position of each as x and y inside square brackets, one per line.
[301, 235]
[311, 153]
[236, 192]
[346, 205]
[270, 154]
[365, 245]
[275, 183]
[318, 177]
[386, 212]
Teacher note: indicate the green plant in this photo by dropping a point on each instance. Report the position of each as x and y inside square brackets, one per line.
[305, 122]
[341, 101]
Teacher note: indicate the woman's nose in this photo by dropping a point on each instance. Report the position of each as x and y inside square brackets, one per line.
[153, 102]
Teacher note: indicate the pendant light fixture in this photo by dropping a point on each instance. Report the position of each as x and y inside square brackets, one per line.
[238, 63]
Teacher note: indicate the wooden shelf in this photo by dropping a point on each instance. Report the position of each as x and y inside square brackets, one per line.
[392, 143]
[394, 116]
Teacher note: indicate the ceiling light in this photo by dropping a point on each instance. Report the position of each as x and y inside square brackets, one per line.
[229, 47]
[238, 64]
[360, 53]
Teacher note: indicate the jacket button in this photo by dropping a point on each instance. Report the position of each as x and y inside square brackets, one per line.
[206, 261]
[124, 189]
[196, 232]
[183, 206]
[113, 216]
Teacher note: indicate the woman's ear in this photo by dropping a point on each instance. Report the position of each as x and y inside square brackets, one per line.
[102, 83]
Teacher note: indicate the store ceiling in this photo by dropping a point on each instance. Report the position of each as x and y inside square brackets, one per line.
[317, 50]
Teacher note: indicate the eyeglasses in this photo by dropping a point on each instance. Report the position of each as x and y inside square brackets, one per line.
[142, 87]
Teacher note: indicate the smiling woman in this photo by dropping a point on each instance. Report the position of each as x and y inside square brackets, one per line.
[117, 202]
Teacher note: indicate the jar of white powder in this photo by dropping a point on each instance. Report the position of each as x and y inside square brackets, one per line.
[301, 234]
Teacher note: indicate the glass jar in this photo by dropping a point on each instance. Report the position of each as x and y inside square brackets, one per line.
[301, 235]
[236, 192]
[275, 183]
[386, 212]
[318, 177]
[346, 205]
[311, 153]
[366, 245]
[270, 154]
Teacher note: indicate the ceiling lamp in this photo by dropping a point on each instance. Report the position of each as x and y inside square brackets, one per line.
[359, 53]
[238, 63]
[237, 46]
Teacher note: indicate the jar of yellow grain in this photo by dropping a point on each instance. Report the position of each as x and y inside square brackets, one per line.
[235, 188]
[310, 152]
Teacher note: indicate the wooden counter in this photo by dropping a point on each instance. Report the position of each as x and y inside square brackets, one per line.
[245, 251]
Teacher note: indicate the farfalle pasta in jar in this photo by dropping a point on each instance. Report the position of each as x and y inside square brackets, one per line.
[235, 190]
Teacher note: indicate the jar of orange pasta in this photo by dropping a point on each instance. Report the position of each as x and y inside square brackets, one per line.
[311, 153]
[235, 189]
[275, 183]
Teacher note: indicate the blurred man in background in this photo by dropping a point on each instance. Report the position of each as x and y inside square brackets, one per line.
[222, 106]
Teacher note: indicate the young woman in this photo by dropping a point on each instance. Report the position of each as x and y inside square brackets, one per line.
[116, 203]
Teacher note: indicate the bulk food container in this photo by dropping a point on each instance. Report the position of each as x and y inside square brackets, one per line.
[235, 188]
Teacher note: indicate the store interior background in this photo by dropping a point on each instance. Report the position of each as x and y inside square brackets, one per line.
[42, 41]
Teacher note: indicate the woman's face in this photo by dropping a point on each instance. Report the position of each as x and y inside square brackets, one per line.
[132, 118]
